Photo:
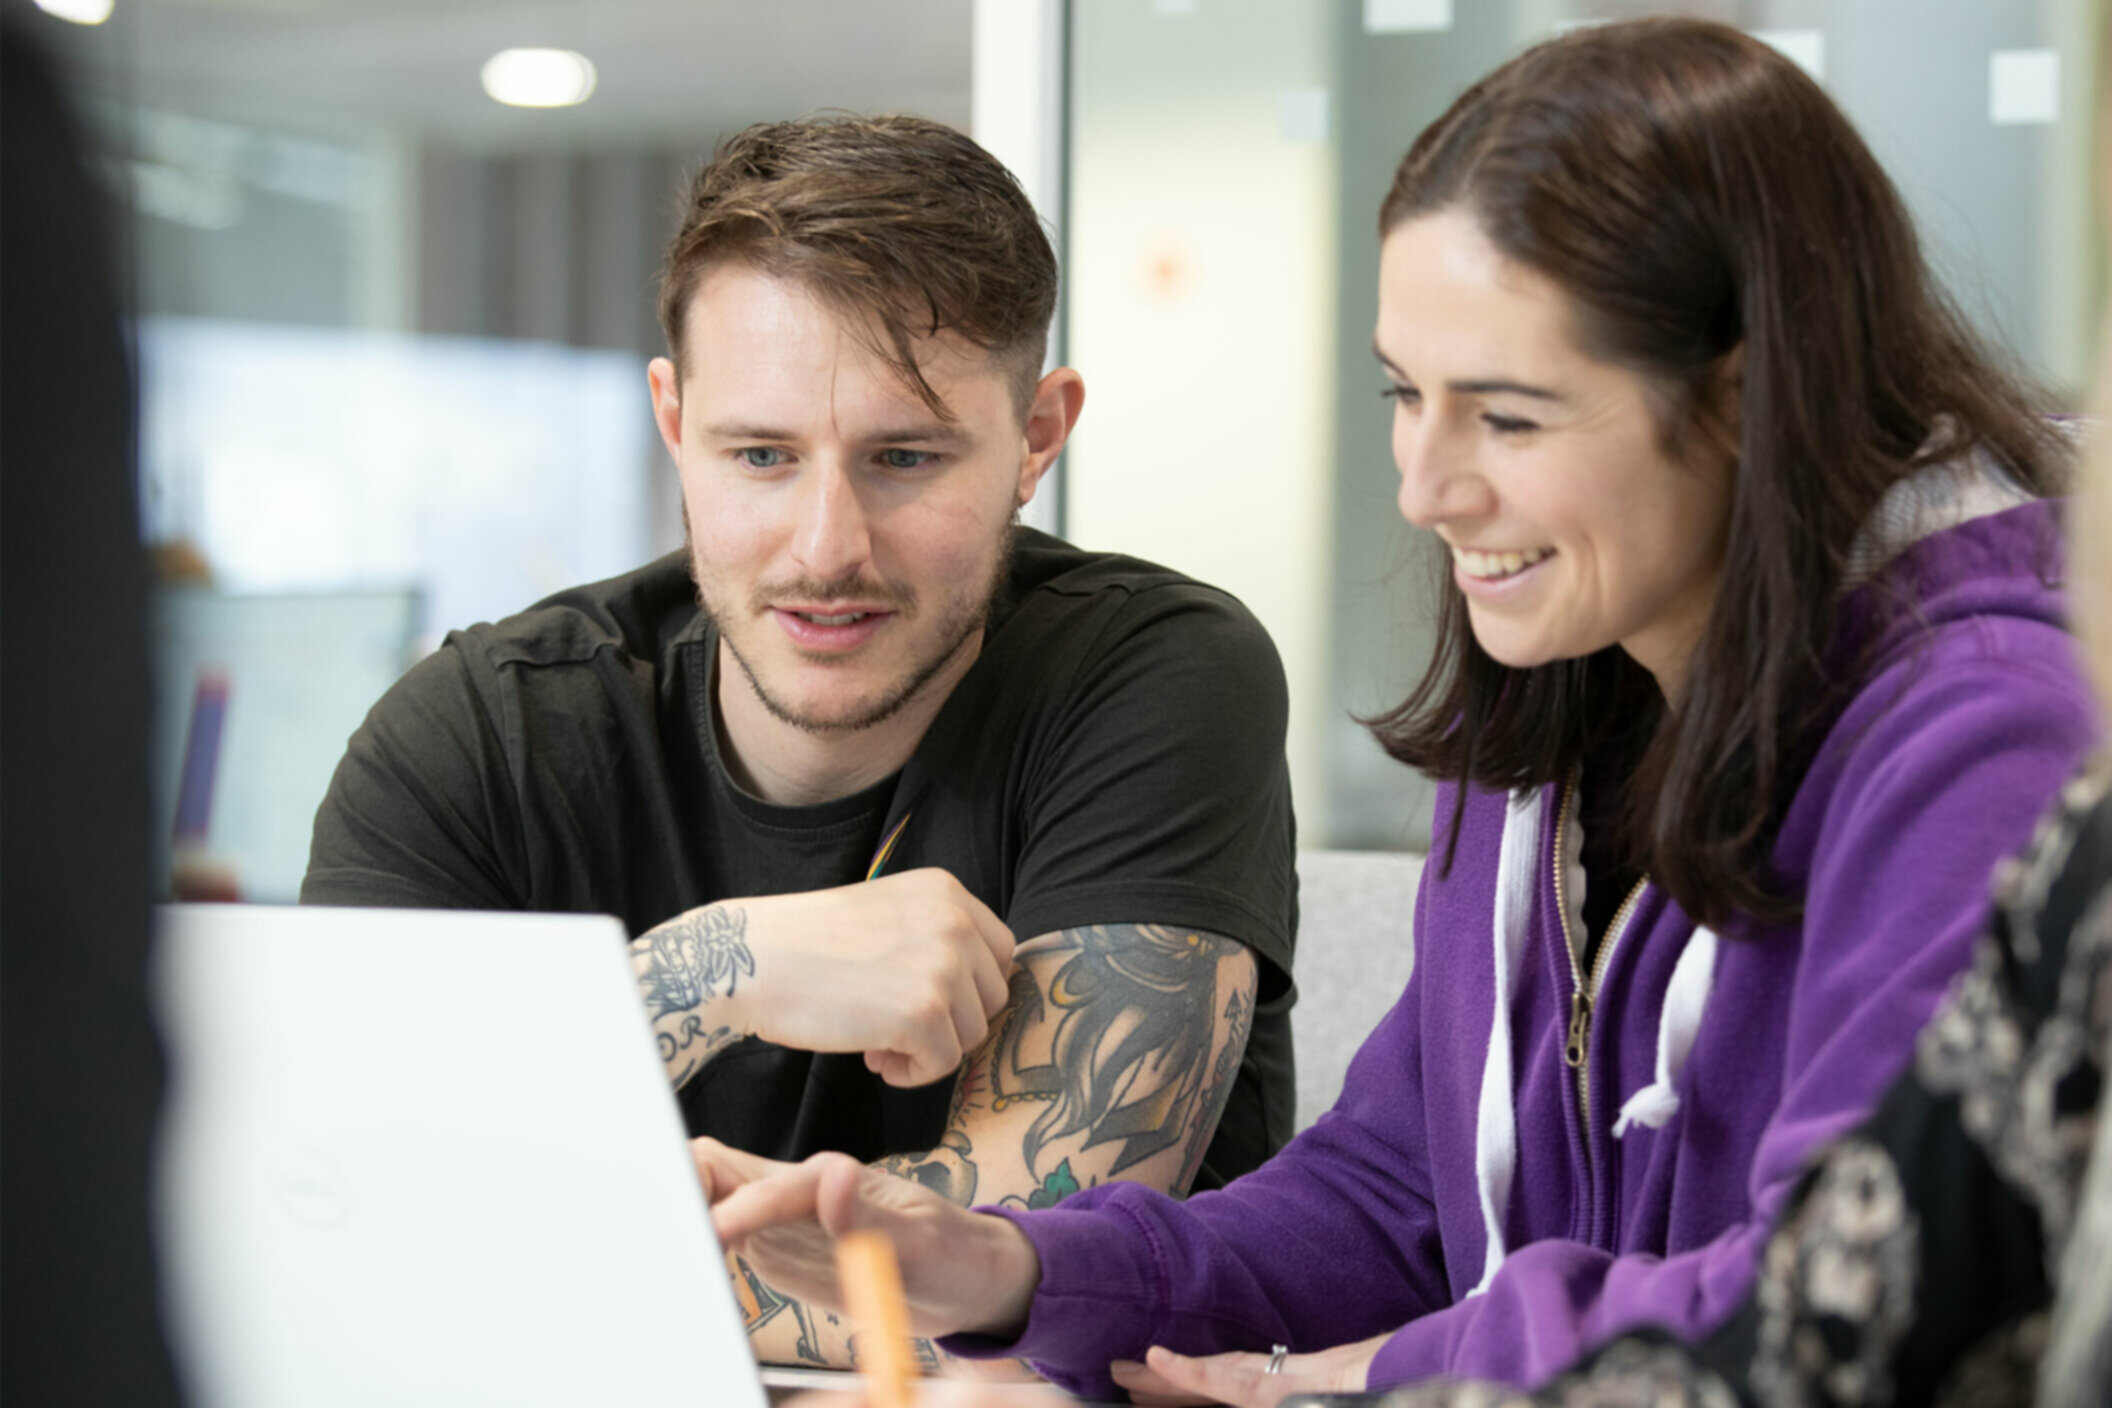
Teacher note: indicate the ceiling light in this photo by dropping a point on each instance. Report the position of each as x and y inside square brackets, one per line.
[538, 78]
[78, 11]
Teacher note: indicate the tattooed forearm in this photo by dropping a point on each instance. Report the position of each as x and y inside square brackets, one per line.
[685, 1050]
[687, 958]
[682, 965]
[760, 1306]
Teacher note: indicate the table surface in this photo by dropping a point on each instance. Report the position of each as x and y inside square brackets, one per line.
[783, 1383]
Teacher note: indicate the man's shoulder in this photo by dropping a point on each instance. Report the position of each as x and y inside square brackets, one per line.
[1057, 587]
[639, 614]
[1042, 562]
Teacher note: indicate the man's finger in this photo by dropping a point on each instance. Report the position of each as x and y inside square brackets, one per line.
[990, 985]
[933, 1050]
[739, 1164]
[890, 1066]
[971, 1023]
[722, 1168]
[991, 929]
[787, 1196]
[839, 1194]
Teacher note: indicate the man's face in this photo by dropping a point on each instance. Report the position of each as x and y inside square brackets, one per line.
[845, 540]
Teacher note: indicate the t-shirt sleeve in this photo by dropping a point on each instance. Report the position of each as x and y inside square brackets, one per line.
[421, 811]
[1159, 791]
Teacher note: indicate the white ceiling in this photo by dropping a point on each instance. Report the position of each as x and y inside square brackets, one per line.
[670, 70]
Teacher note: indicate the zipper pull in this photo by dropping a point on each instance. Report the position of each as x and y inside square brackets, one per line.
[1579, 1028]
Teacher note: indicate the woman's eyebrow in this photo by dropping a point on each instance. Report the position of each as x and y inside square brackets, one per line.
[1475, 386]
[1485, 386]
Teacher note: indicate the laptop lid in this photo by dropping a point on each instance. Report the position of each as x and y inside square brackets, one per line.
[425, 1157]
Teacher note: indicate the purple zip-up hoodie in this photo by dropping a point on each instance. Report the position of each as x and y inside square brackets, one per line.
[1469, 1192]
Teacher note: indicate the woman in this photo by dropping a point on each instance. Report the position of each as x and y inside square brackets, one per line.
[1751, 668]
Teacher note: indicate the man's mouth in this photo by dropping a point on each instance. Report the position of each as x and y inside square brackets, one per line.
[847, 618]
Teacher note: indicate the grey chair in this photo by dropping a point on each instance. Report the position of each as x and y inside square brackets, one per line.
[1355, 948]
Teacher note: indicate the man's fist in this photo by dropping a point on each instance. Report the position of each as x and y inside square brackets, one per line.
[909, 969]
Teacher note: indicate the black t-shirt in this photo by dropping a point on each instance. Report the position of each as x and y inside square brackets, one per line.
[1114, 755]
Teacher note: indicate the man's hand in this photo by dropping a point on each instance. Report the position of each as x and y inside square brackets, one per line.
[961, 1271]
[1166, 1379]
[909, 969]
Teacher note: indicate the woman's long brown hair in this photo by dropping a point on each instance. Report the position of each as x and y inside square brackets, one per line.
[1697, 196]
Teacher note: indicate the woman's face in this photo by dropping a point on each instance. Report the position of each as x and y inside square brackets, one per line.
[1570, 527]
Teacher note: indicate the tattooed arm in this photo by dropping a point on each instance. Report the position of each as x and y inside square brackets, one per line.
[1113, 1058]
[682, 968]
[908, 969]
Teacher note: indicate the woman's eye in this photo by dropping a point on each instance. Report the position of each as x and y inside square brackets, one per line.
[1508, 425]
[760, 457]
[1402, 395]
[906, 459]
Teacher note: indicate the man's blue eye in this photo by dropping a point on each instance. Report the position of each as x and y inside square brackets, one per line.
[760, 457]
[905, 459]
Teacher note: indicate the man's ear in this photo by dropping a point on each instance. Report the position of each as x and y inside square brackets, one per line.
[665, 388]
[1058, 398]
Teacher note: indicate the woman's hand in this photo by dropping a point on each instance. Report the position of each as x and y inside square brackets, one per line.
[1166, 1378]
[961, 1271]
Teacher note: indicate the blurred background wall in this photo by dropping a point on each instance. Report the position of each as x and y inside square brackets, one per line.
[392, 332]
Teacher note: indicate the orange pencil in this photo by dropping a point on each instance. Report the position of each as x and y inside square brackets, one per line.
[872, 1293]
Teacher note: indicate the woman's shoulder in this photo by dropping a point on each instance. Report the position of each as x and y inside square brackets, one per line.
[1974, 551]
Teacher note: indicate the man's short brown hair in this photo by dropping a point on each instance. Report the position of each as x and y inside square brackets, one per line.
[902, 223]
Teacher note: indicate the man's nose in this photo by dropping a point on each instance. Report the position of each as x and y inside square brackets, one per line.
[832, 538]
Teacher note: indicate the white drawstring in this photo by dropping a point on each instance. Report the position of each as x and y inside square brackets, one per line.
[1496, 1129]
[1685, 999]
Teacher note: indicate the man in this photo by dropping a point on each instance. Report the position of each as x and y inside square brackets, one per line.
[829, 761]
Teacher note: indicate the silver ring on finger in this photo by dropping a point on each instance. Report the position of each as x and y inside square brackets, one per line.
[1277, 1352]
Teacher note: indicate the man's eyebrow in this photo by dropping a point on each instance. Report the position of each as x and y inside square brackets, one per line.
[746, 430]
[934, 433]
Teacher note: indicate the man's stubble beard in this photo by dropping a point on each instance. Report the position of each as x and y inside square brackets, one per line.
[955, 631]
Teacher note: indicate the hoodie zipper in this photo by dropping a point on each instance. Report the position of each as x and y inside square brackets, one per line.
[1576, 1047]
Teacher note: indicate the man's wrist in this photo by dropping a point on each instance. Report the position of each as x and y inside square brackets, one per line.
[1013, 1274]
[694, 973]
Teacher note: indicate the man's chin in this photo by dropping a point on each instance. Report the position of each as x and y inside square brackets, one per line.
[837, 707]
[834, 717]
[833, 700]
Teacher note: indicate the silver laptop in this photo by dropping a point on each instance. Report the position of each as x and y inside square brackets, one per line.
[419, 1157]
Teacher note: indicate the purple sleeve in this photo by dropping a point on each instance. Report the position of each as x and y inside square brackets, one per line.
[1332, 1240]
[1930, 793]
